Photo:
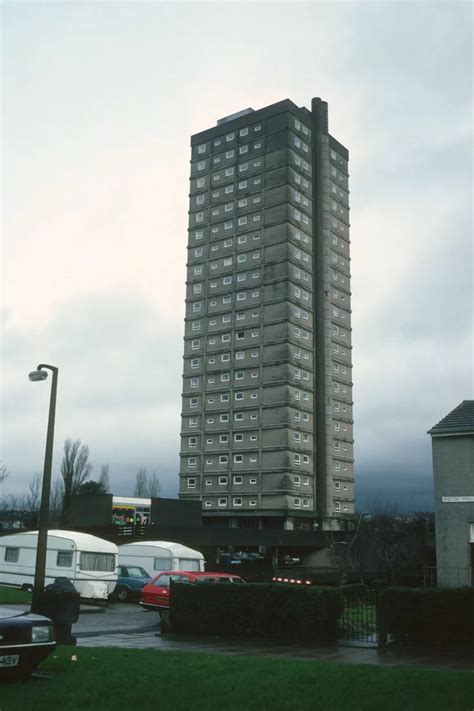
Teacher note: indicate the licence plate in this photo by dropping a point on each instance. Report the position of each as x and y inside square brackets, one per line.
[10, 660]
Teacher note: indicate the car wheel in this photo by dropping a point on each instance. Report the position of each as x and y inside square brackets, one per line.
[122, 594]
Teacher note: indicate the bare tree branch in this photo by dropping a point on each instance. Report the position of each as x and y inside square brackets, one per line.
[154, 486]
[4, 472]
[141, 483]
[104, 478]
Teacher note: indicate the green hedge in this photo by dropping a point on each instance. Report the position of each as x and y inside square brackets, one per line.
[287, 612]
[440, 618]
[355, 590]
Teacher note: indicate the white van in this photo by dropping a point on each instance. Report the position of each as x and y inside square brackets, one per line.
[157, 556]
[89, 562]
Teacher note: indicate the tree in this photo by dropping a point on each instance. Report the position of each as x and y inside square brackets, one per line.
[92, 487]
[154, 486]
[56, 501]
[104, 478]
[4, 472]
[141, 483]
[31, 503]
[75, 470]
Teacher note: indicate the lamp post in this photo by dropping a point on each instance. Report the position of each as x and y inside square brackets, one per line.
[43, 521]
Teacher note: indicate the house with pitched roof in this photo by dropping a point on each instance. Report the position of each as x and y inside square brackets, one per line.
[453, 473]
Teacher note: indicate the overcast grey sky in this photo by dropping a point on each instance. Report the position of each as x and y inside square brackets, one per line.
[100, 100]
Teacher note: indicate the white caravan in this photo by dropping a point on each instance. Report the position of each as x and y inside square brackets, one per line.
[89, 562]
[156, 556]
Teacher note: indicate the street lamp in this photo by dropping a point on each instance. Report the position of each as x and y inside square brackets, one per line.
[43, 521]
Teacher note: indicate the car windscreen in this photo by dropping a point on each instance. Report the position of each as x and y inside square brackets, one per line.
[136, 572]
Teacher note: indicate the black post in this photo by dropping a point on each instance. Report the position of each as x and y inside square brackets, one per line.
[43, 522]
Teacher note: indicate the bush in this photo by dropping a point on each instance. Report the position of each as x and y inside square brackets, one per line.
[440, 618]
[355, 590]
[378, 584]
[287, 612]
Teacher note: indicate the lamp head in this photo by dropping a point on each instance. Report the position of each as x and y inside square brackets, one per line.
[37, 375]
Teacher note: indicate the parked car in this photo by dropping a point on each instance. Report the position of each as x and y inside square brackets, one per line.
[156, 594]
[25, 640]
[131, 579]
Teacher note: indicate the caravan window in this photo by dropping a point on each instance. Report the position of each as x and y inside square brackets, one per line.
[188, 564]
[12, 555]
[64, 559]
[162, 564]
[97, 561]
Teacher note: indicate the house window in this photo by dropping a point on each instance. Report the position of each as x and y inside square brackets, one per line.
[237, 480]
[223, 438]
[239, 396]
[222, 502]
[238, 459]
[252, 502]
[238, 416]
[238, 437]
[193, 422]
[223, 459]
[191, 483]
[224, 417]
[252, 481]
[222, 480]
[297, 503]
[208, 504]
[237, 501]
[192, 461]
[337, 505]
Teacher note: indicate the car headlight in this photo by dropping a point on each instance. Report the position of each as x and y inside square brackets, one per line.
[43, 633]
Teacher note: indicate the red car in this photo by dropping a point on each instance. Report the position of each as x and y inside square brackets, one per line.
[156, 594]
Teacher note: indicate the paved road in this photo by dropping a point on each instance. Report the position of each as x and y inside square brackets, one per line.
[127, 625]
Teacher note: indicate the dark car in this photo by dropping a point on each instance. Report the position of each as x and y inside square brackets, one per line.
[25, 640]
[131, 579]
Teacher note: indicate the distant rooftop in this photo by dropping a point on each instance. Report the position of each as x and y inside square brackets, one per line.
[237, 115]
[459, 421]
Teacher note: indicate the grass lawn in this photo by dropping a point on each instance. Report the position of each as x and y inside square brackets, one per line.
[12, 595]
[111, 679]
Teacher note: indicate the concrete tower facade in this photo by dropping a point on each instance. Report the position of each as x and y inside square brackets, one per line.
[266, 437]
